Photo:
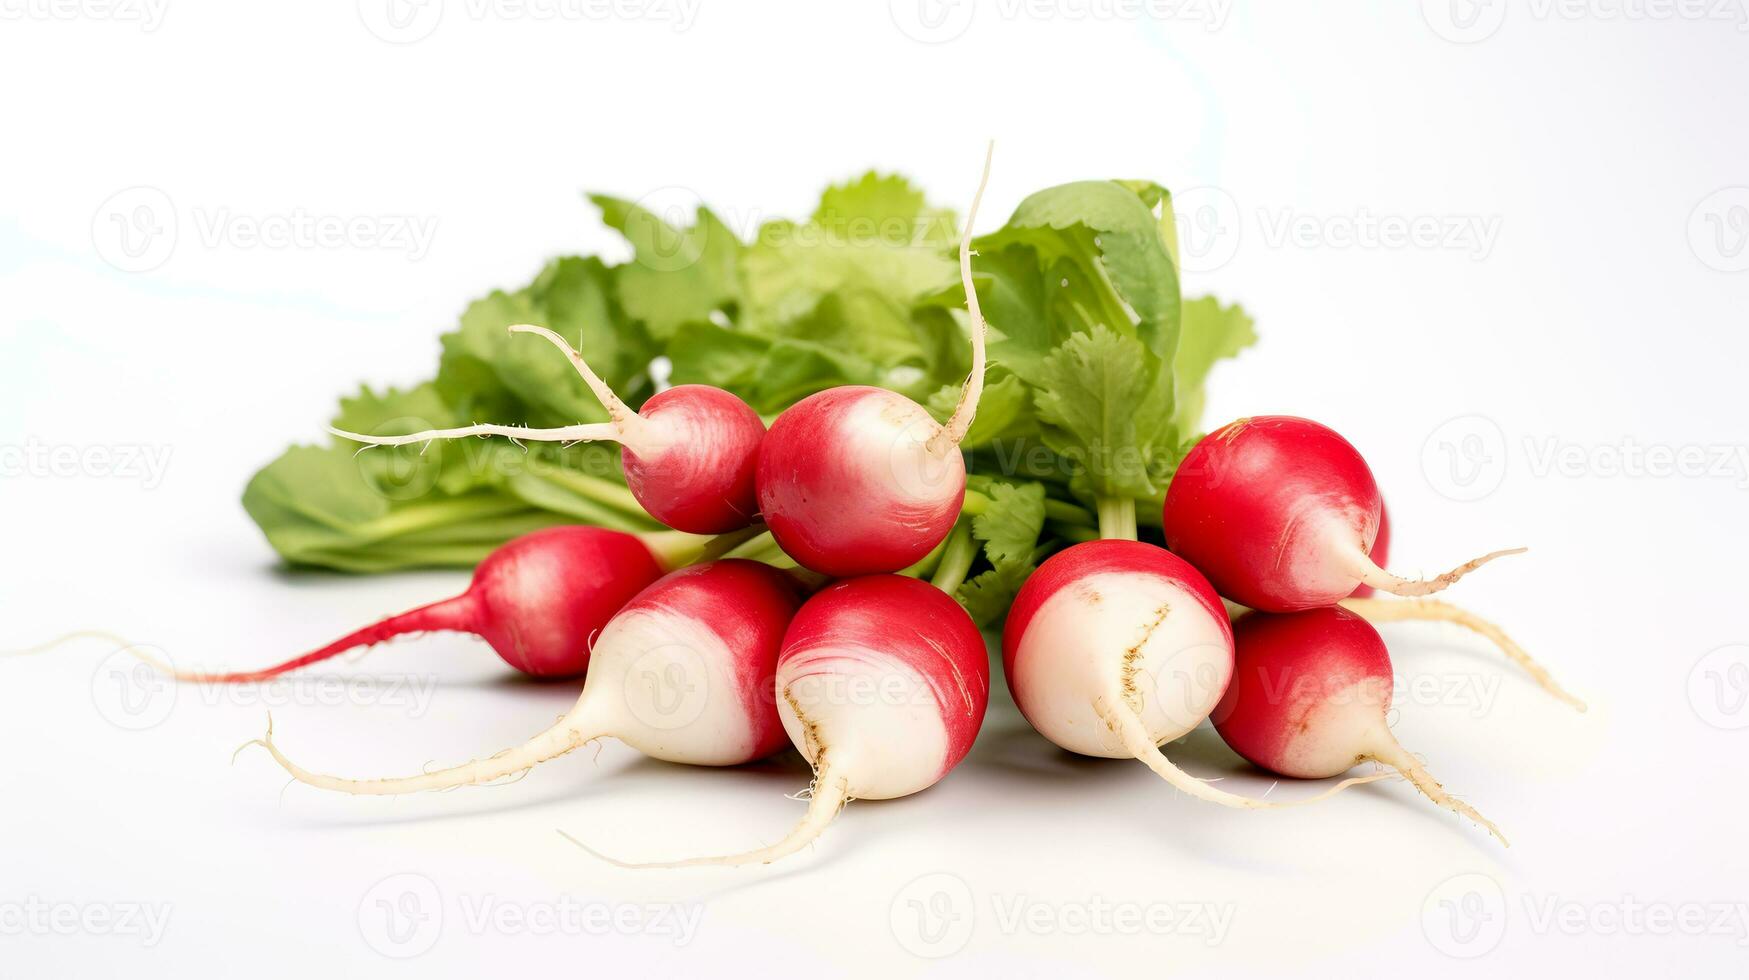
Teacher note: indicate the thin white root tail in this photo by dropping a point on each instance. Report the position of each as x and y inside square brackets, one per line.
[831, 793]
[1125, 723]
[1384, 581]
[1399, 758]
[73, 637]
[624, 419]
[961, 421]
[1402, 610]
[592, 432]
[550, 744]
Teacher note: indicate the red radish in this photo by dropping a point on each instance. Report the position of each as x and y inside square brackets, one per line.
[856, 480]
[1280, 513]
[689, 455]
[682, 673]
[538, 600]
[882, 685]
[1309, 700]
[1114, 647]
[1381, 549]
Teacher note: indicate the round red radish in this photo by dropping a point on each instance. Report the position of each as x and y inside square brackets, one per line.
[857, 480]
[682, 673]
[689, 455]
[1280, 513]
[882, 685]
[1113, 648]
[538, 600]
[1309, 699]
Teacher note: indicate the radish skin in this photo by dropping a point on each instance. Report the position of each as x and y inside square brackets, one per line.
[1381, 550]
[882, 684]
[689, 455]
[681, 674]
[1280, 513]
[856, 480]
[1309, 700]
[1113, 648]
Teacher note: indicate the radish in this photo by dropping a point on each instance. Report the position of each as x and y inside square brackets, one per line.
[537, 600]
[1309, 699]
[1280, 513]
[1114, 647]
[688, 456]
[882, 685]
[682, 673]
[855, 480]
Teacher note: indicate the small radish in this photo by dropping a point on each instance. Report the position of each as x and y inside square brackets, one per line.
[1309, 699]
[855, 480]
[537, 600]
[1381, 550]
[1115, 647]
[682, 673]
[882, 685]
[1280, 513]
[688, 455]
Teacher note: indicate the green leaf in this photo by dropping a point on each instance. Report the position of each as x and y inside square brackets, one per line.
[1011, 524]
[1212, 332]
[1107, 404]
[987, 595]
[676, 276]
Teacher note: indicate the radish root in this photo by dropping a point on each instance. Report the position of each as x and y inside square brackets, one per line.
[564, 737]
[1384, 581]
[960, 422]
[1395, 756]
[1127, 725]
[830, 794]
[1402, 610]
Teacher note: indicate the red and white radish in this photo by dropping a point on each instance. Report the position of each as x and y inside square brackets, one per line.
[682, 673]
[1280, 514]
[1115, 647]
[1309, 698]
[856, 480]
[1381, 549]
[537, 600]
[689, 455]
[882, 685]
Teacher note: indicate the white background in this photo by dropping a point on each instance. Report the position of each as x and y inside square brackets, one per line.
[1602, 315]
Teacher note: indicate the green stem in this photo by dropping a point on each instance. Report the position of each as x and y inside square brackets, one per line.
[1064, 512]
[926, 565]
[1117, 518]
[604, 492]
[1074, 532]
[957, 560]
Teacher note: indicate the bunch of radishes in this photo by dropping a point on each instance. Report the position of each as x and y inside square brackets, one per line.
[696, 653]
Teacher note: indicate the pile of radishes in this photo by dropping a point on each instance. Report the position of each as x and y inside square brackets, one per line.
[692, 650]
